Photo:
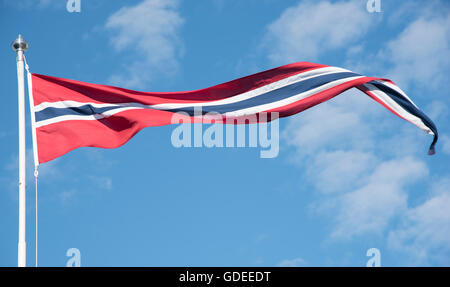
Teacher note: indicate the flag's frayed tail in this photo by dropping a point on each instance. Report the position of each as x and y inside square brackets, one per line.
[432, 150]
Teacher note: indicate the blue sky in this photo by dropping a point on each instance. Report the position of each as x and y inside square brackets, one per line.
[349, 175]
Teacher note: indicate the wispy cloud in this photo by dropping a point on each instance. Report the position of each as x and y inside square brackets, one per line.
[49, 170]
[361, 169]
[296, 262]
[420, 54]
[445, 142]
[102, 182]
[341, 123]
[150, 32]
[67, 196]
[340, 141]
[61, 173]
[362, 191]
[424, 235]
[338, 170]
[370, 208]
[309, 29]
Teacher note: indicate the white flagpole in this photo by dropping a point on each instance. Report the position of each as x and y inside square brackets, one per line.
[20, 46]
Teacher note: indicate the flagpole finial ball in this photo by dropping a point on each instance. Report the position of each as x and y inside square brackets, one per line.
[20, 44]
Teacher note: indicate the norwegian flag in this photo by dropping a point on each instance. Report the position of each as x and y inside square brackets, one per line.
[68, 114]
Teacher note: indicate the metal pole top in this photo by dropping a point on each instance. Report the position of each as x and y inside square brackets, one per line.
[19, 44]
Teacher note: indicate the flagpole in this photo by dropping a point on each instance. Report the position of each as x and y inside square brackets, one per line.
[20, 46]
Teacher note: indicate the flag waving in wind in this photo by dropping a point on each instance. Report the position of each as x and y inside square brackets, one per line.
[68, 114]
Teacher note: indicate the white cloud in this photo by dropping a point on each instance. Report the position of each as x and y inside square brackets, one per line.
[305, 31]
[364, 194]
[339, 170]
[341, 123]
[67, 196]
[424, 236]
[296, 262]
[56, 173]
[445, 143]
[150, 31]
[370, 208]
[343, 142]
[421, 53]
[48, 170]
[102, 182]
[437, 110]
[356, 154]
[325, 125]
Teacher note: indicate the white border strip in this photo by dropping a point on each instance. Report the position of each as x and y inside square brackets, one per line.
[240, 97]
[131, 106]
[33, 118]
[259, 91]
[397, 108]
[290, 100]
[86, 118]
[397, 89]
